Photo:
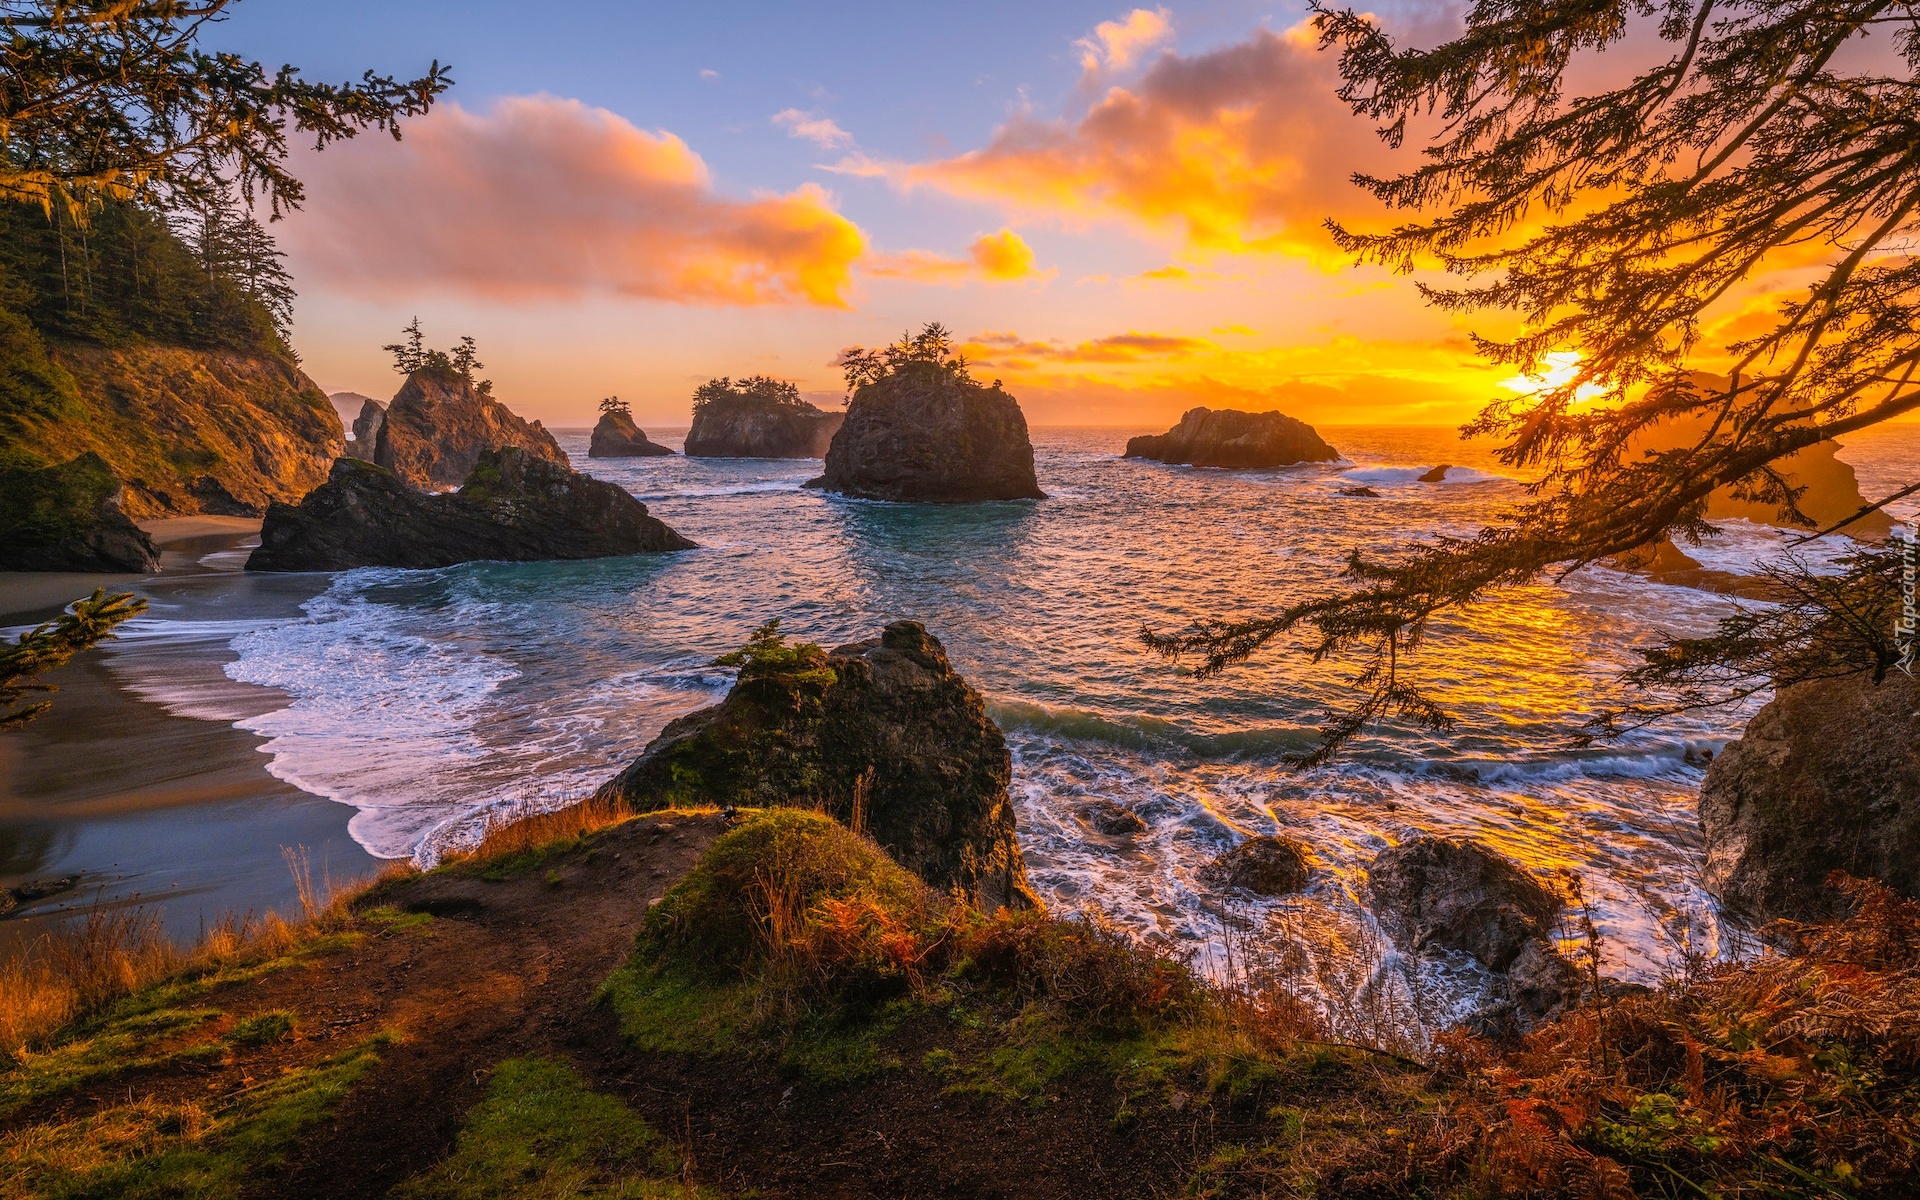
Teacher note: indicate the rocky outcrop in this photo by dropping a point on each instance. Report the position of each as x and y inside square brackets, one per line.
[366, 430]
[514, 507]
[185, 431]
[1114, 820]
[1664, 562]
[927, 434]
[1436, 475]
[885, 735]
[1227, 437]
[754, 427]
[616, 436]
[1263, 865]
[69, 518]
[1458, 895]
[439, 425]
[1825, 778]
[348, 406]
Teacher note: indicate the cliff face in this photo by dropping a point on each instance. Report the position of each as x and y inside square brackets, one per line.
[514, 507]
[186, 431]
[922, 435]
[70, 517]
[616, 436]
[747, 427]
[438, 426]
[366, 429]
[1231, 438]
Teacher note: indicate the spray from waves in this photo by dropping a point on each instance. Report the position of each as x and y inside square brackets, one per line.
[1386, 476]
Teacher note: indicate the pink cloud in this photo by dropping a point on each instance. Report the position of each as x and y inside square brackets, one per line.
[542, 196]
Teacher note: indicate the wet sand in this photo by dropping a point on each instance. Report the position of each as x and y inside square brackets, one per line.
[146, 805]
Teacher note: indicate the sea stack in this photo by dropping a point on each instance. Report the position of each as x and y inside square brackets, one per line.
[514, 506]
[758, 418]
[1227, 437]
[439, 425]
[927, 433]
[366, 429]
[884, 735]
[616, 436]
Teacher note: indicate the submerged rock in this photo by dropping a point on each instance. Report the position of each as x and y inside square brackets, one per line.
[439, 425]
[925, 434]
[1363, 493]
[616, 436]
[1264, 865]
[1825, 778]
[885, 735]
[751, 426]
[69, 518]
[1228, 437]
[513, 507]
[1114, 820]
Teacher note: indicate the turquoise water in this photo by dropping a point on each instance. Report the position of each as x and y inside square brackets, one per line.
[427, 699]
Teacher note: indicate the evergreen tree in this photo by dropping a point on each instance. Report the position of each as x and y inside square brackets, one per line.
[409, 354]
[614, 406]
[466, 359]
[1612, 223]
[931, 347]
[49, 646]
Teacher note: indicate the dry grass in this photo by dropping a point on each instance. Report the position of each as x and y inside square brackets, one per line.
[521, 829]
[82, 966]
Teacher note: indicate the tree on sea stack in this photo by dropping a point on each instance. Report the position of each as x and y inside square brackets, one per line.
[1615, 224]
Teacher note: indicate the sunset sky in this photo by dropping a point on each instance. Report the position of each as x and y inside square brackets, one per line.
[1117, 210]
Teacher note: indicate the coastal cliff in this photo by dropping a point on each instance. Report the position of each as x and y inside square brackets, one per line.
[440, 423]
[1228, 437]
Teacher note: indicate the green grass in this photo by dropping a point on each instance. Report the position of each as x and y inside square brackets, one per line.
[541, 1134]
[114, 1047]
[147, 1149]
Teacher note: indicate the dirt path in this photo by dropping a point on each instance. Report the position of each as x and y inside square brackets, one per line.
[505, 968]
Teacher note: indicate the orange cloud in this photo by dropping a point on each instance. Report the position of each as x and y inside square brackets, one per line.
[995, 349]
[1002, 257]
[1243, 149]
[547, 197]
[1116, 44]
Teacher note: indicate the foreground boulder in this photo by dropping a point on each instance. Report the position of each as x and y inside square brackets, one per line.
[1458, 895]
[616, 436]
[1825, 778]
[1227, 437]
[514, 507]
[439, 425]
[1264, 866]
[884, 735]
[929, 434]
[69, 518]
[748, 425]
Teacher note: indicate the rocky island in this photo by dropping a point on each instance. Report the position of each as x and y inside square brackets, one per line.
[1228, 437]
[441, 421]
[758, 417]
[884, 735]
[616, 436]
[919, 428]
[514, 506]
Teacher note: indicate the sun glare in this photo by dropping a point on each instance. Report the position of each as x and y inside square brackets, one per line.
[1562, 365]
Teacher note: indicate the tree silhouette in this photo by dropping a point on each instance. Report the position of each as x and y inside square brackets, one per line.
[931, 347]
[614, 406]
[1613, 224]
[410, 354]
[756, 389]
[49, 646]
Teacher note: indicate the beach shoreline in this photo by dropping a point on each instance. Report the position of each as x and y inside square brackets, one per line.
[148, 805]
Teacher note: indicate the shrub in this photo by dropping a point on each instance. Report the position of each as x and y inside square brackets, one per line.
[1084, 966]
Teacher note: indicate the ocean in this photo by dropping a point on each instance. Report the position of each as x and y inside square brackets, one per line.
[426, 700]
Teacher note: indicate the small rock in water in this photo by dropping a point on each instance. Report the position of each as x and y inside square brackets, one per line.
[1113, 819]
[1365, 493]
[1437, 475]
[38, 889]
[1265, 866]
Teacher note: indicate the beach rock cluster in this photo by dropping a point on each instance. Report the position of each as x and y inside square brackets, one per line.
[616, 436]
[927, 434]
[1227, 437]
[1825, 778]
[70, 518]
[884, 735]
[514, 506]
[747, 426]
[439, 425]
[1456, 894]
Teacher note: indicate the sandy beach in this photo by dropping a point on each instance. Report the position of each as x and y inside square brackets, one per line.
[144, 804]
